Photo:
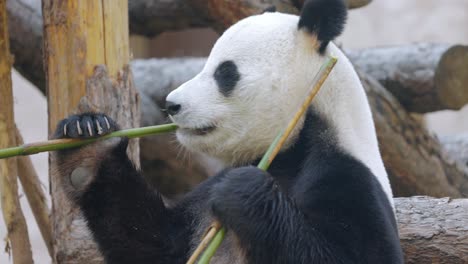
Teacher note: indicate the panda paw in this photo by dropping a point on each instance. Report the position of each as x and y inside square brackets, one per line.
[80, 166]
[240, 195]
[86, 125]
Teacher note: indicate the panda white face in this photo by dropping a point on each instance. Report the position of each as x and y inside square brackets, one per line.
[254, 80]
[257, 76]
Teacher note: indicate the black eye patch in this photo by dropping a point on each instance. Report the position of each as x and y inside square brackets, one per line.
[226, 76]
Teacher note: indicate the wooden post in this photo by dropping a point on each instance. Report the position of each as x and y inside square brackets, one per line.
[18, 240]
[86, 53]
[36, 196]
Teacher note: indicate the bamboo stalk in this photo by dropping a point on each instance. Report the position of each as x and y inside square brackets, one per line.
[205, 242]
[270, 154]
[213, 246]
[66, 143]
[318, 81]
[36, 196]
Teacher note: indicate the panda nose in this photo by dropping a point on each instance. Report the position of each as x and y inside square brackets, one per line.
[172, 108]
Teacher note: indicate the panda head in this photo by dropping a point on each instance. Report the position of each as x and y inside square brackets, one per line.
[254, 80]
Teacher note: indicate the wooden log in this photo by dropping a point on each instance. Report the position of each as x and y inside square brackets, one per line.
[36, 197]
[74, 51]
[226, 13]
[451, 78]
[415, 160]
[17, 240]
[423, 77]
[150, 18]
[25, 27]
[147, 17]
[433, 230]
[350, 3]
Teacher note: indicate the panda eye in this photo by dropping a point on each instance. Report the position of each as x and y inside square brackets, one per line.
[226, 76]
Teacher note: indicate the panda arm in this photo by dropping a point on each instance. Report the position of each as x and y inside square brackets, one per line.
[269, 226]
[347, 206]
[328, 216]
[128, 220]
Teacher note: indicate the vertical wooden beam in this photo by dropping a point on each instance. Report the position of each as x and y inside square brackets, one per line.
[86, 53]
[11, 209]
[36, 196]
[74, 43]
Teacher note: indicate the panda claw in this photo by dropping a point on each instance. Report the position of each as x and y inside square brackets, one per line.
[90, 131]
[99, 128]
[107, 123]
[80, 132]
[85, 125]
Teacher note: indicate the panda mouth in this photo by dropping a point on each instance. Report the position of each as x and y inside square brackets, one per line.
[200, 131]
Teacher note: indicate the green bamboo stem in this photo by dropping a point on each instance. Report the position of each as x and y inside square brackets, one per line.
[276, 145]
[213, 246]
[66, 143]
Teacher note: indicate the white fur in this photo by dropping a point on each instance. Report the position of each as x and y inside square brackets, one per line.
[277, 64]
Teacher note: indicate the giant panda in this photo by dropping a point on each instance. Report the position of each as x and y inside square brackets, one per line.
[325, 199]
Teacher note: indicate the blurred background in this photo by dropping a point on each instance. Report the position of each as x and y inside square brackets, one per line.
[383, 22]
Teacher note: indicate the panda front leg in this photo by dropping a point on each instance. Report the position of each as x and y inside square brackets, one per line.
[127, 219]
[270, 228]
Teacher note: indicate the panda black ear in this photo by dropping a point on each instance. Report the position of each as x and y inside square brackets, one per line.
[324, 18]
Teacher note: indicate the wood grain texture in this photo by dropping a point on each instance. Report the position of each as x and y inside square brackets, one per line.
[451, 78]
[414, 159]
[17, 232]
[223, 14]
[86, 57]
[424, 77]
[26, 38]
[433, 230]
[36, 196]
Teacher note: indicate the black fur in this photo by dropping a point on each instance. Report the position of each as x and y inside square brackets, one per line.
[172, 108]
[325, 18]
[128, 220]
[226, 76]
[316, 204]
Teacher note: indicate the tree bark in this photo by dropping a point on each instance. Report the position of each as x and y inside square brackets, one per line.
[74, 50]
[35, 194]
[17, 231]
[433, 230]
[350, 3]
[423, 77]
[150, 18]
[147, 17]
[25, 26]
[223, 14]
[451, 78]
[415, 161]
